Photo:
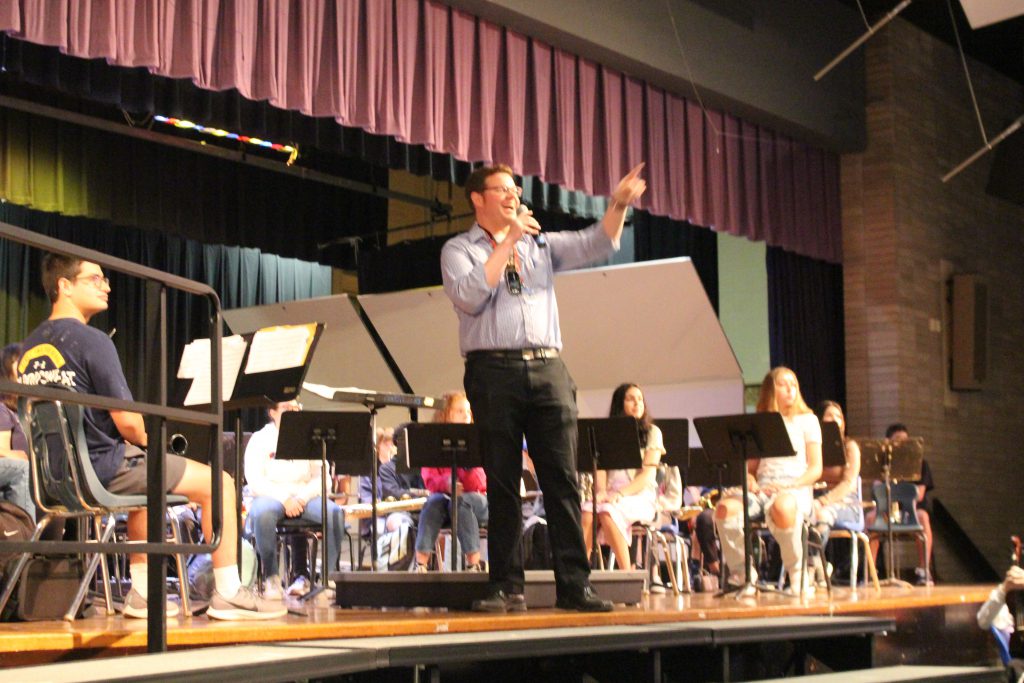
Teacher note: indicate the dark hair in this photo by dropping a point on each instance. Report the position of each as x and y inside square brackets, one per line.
[825, 405]
[8, 358]
[55, 267]
[895, 427]
[617, 409]
[478, 178]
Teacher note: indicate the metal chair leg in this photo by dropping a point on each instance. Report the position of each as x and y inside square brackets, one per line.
[102, 536]
[179, 562]
[660, 539]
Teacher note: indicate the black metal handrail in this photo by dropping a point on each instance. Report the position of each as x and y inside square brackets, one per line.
[158, 413]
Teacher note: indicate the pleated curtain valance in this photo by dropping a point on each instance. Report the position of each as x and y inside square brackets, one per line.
[431, 75]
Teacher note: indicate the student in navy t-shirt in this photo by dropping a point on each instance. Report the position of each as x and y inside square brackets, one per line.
[64, 350]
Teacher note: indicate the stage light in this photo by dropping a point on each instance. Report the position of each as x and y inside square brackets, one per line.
[221, 133]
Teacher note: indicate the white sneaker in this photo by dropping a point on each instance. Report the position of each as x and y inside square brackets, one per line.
[244, 606]
[272, 588]
[798, 580]
[135, 606]
[300, 586]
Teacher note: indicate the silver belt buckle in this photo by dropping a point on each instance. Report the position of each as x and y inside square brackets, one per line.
[530, 354]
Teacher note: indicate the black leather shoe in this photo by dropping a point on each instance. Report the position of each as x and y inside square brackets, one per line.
[584, 601]
[500, 601]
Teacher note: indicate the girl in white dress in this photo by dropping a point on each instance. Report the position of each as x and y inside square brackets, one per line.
[626, 496]
[780, 489]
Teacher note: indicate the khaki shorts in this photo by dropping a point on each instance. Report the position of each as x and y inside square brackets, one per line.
[131, 476]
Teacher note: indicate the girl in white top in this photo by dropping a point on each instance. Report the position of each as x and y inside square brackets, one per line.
[780, 489]
[626, 496]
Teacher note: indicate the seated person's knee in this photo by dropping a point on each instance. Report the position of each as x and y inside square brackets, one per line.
[784, 510]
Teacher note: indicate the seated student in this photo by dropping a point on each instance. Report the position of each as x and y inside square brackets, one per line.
[390, 486]
[14, 469]
[995, 614]
[471, 492]
[780, 489]
[897, 433]
[841, 503]
[626, 496]
[285, 488]
[66, 351]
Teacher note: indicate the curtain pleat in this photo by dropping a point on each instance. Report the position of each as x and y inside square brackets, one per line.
[354, 60]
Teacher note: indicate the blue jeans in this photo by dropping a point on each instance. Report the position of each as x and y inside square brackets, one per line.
[437, 512]
[265, 514]
[14, 480]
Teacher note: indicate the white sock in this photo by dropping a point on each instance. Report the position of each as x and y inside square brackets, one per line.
[140, 579]
[227, 581]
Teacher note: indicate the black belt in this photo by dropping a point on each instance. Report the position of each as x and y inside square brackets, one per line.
[513, 354]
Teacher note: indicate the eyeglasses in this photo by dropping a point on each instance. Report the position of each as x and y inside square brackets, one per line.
[97, 281]
[507, 189]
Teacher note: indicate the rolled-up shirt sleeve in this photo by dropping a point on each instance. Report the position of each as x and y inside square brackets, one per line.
[465, 282]
[575, 249]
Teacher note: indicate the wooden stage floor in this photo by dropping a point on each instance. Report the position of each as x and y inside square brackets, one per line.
[41, 642]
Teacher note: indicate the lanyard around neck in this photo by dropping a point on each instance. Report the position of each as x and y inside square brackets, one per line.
[513, 259]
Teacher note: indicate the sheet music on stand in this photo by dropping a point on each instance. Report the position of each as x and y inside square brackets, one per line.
[267, 365]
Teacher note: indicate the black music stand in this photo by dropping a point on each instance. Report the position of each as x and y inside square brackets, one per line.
[701, 471]
[251, 389]
[739, 439]
[607, 443]
[442, 444]
[888, 461]
[338, 436]
[833, 448]
[675, 435]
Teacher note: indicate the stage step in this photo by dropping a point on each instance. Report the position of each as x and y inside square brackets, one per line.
[288, 661]
[458, 590]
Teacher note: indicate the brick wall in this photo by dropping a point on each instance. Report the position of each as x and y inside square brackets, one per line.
[900, 223]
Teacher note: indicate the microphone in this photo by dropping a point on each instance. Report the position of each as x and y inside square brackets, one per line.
[539, 237]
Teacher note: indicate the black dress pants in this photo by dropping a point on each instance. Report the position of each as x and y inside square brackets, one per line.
[511, 398]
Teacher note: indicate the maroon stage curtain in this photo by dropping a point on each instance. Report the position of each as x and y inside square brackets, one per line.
[427, 74]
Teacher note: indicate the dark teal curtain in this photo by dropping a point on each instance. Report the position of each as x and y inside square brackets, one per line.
[241, 277]
[659, 237]
[805, 323]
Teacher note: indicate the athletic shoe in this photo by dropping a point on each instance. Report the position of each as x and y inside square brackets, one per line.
[300, 586]
[272, 588]
[135, 606]
[418, 568]
[244, 606]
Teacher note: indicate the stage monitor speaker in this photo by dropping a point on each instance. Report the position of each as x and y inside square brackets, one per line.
[969, 357]
[1004, 178]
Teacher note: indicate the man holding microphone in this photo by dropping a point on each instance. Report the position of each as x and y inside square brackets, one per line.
[499, 276]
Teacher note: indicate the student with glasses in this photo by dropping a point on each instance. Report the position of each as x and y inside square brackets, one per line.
[65, 350]
[500, 278]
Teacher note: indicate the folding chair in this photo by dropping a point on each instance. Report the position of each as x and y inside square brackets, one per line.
[65, 486]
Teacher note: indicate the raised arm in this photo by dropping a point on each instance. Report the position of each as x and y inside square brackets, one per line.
[629, 189]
